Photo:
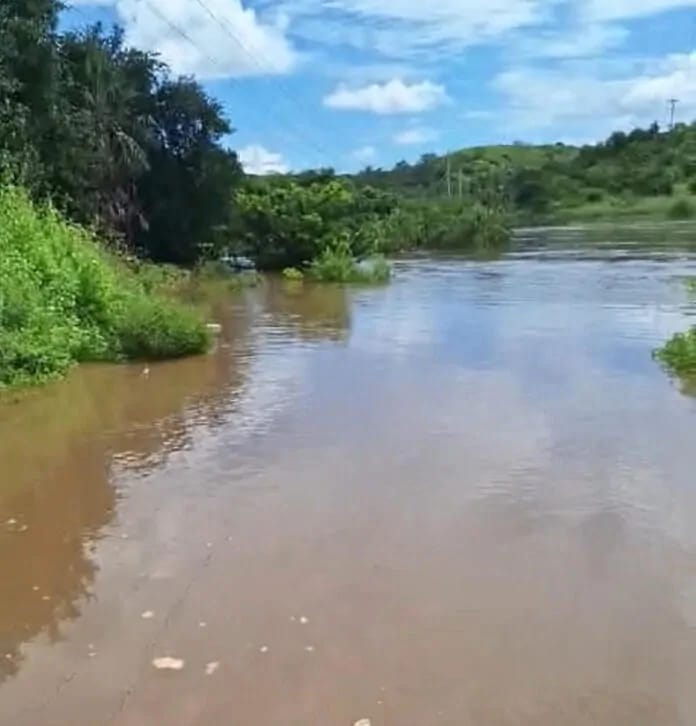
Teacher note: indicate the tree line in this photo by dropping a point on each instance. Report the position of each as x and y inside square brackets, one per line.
[626, 167]
[117, 143]
[111, 137]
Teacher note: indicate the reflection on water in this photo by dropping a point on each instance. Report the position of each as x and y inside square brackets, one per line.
[463, 498]
[59, 447]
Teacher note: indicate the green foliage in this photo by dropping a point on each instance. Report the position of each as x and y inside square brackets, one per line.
[679, 353]
[626, 173]
[116, 143]
[337, 264]
[283, 223]
[446, 225]
[681, 209]
[293, 274]
[63, 300]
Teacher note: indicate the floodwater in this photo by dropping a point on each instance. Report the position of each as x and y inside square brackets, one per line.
[467, 498]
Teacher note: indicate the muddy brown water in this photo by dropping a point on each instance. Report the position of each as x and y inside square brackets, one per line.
[465, 498]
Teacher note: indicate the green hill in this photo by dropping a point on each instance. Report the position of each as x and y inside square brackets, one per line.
[646, 172]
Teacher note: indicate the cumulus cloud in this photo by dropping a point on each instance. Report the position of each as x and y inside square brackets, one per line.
[393, 97]
[229, 41]
[539, 98]
[415, 135]
[259, 161]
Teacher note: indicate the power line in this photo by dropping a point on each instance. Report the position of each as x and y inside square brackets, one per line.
[282, 126]
[227, 29]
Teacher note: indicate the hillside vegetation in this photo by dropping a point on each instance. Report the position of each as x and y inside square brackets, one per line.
[644, 173]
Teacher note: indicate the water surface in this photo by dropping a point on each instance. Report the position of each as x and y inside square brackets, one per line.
[464, 498]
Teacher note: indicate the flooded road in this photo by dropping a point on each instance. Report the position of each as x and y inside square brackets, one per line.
[466, 498]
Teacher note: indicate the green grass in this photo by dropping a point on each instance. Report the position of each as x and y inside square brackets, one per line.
[680, 206]
[64, 300]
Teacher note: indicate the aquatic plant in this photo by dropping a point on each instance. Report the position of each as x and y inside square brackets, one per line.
[337, 264]
[293, 274]
[679, 353]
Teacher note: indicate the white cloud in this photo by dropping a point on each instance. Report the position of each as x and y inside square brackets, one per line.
[400, 28]
[230, 41]
[415, 135]
[578, 42]
[567, 96]
[393, 97]
[365, 153]
[603, 10]
[259, 161]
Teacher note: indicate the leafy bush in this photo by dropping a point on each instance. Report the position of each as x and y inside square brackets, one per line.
[336, 264]
[681, 209]
[283, 223]
[64, 300]
[293, 274]
[679, 353]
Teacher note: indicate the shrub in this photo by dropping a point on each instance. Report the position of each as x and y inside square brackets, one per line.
[293, 274]
[681, 209]
[679, 353]
[63, 300]
[148, 329]
[336, 264]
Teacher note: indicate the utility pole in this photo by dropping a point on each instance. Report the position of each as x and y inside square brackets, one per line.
[672, 102]
[449, 176]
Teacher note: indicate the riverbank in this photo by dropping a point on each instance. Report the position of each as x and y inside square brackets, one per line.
[65, 300]
[678, 207]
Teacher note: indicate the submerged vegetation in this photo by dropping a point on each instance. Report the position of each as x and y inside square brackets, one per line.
[64, 300]
[679, 353]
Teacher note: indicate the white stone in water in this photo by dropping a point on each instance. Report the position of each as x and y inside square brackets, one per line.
[363, 722]
[168, 664]
[147, 615]
[304, 620]
[309, 648]
[10, 522]
[202, 624]
[263, 649]
[211, 667]
[214, 328]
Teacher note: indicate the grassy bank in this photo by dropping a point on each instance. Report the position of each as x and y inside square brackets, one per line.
[64, 300]
[680, 206]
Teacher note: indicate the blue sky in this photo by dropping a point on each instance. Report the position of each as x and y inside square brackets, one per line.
[347, 83]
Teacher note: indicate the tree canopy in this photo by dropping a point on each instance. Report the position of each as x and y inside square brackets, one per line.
[111, 137]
